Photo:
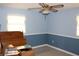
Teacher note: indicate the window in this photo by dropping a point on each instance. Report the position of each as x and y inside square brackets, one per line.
[77, 33]
[16, 23]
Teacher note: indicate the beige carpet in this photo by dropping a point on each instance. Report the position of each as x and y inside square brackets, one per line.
[47, 51]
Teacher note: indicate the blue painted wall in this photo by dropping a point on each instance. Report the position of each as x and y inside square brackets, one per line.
[38, 39]
[36, 24]
[63, 22]
[66, 43]
[35, 21]
[62, 27]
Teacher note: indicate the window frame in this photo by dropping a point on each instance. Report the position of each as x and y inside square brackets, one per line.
[14, 24]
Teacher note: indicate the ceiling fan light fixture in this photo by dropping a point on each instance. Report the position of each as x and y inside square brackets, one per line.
[46, 12]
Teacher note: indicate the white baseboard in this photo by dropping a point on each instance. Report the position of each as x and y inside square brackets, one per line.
[56, 49]
[39, 46]
[35, 33]
[62, 50]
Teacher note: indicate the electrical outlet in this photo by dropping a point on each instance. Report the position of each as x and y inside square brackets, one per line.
[52, 41]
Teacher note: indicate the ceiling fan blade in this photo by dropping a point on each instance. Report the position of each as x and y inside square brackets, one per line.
[58, 6]
[34, 8]
[44, 5]
[54, 10]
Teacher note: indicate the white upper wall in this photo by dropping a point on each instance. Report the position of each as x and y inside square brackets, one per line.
[63, 22]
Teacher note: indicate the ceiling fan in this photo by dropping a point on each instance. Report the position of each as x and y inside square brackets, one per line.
[46, 8]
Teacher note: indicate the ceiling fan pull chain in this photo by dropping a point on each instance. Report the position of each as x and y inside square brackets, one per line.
[45, 17]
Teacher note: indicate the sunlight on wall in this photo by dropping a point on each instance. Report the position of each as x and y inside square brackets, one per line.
[77, 18]
[16, 23]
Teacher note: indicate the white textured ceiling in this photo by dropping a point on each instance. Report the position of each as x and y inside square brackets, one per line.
[35, 5]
